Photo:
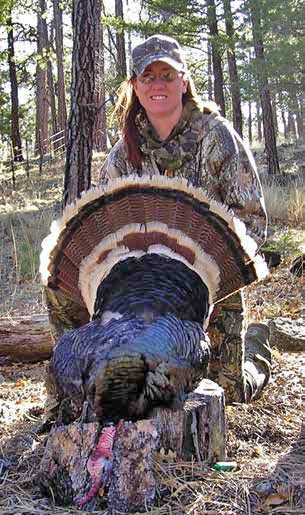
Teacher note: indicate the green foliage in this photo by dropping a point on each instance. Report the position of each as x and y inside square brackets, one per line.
[5, 9]
[282, 29]
[28, 260]
[178, 18]
[286, 243]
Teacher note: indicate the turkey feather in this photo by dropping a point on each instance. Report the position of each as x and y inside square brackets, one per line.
[144, 258]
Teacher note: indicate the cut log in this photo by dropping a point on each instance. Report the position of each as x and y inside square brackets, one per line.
[198, 430]
[26, 339]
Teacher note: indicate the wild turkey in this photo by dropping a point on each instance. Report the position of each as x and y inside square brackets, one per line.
[144, 259]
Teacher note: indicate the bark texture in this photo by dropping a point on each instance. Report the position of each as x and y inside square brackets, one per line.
[50, 81]
[15, 131]
[83, 107]
[250, 135]
[99, 129]
[199, 429]
[63, 468]
[216, 57]
[264, 91]
[133, 485]
[42, 105]
[234, 78]
[210, 73]
[61, 92]
[26, 339]
[120, 43]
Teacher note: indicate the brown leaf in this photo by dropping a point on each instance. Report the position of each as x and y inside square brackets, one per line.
[274, 500]
[20, 383]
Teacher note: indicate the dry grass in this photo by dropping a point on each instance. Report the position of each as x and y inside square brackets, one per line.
[286, 204]
[296, 206]
[25, 218]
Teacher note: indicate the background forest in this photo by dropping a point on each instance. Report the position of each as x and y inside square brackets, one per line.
[247, 55]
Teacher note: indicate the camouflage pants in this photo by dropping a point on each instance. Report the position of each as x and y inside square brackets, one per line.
[240, 356]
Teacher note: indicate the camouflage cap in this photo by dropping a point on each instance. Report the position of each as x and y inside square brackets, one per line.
[158, 48]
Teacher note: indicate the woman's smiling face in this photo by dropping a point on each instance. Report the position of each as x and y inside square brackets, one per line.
[162, 95]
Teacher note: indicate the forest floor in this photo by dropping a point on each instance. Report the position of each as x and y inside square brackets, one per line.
[265, 438]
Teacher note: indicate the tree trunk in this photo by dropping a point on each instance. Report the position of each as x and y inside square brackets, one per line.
[129, 51]
[234, 78]
[300, 126]
[299, 119]
[100, 129]
[15, 131]
[259, 122]
[83, 107]
[210, 73]
[291, 126]
[261, 69]
[284, 122]
[42, 106]
[25, 339]
[120, 43]
[50, 81]
[250, 134]
[216, 58]
[61, 89]
[274, 112]
[301, 102]
[52, 98]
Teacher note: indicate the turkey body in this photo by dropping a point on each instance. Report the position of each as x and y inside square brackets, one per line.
[142, 257]
[146, 346]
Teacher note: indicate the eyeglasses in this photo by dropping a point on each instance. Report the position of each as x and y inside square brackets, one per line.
[166, 76]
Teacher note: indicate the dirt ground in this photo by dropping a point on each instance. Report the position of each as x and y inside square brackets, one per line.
[265, 438]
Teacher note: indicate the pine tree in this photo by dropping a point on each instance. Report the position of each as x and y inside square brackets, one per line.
[15, 130]
[82, 107]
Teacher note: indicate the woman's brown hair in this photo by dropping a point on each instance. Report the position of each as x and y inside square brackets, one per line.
[128, 107]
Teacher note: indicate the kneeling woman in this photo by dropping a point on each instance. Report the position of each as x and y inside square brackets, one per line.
[166, 130]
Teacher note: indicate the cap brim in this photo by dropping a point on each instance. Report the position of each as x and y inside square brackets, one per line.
[153, 58]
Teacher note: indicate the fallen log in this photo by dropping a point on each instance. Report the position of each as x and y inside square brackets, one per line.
[196, 431]
[26, 339]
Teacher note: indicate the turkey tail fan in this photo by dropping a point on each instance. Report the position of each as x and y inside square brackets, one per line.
[141, 215]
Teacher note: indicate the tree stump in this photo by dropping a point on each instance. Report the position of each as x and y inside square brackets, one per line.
[199, 429]
[196, 430]
[133, 486]
[63, 471]
[26, 339]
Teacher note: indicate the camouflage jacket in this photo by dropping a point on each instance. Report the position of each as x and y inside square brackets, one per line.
[205, 149]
